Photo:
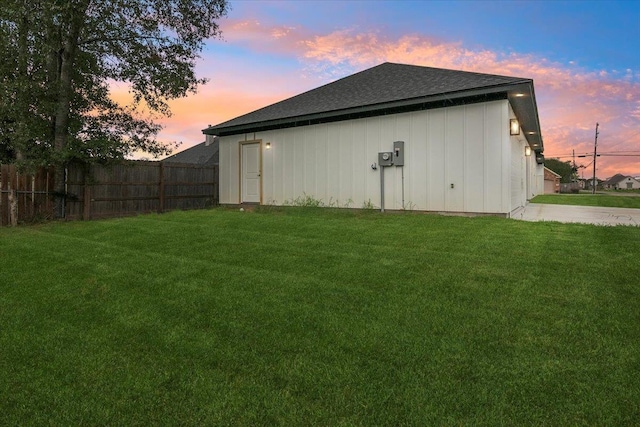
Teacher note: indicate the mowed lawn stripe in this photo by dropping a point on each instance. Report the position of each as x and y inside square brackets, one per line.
[298, 317]
[615, 200]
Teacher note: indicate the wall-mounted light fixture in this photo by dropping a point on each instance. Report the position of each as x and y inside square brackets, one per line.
[527, 151]
[514, 127]
[268, 146]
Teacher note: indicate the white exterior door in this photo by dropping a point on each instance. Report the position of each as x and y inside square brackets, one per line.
[251, 180]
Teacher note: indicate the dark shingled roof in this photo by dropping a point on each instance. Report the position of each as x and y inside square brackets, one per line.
[384, 89]
[201, 154]
[615, 179]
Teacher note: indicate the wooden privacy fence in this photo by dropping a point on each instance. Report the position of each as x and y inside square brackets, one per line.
[97, 191]
[25, 197]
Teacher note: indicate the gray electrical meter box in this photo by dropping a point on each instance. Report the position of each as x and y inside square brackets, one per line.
[385, 158]
[398, 153]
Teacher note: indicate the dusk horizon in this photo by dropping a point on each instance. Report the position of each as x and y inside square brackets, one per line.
[580, 55]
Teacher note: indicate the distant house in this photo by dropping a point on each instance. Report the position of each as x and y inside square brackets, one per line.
[205, 153]
[629, 183]
[588, 184]
[622, 182]
[551, 181]
[395, 136]
[612, 182]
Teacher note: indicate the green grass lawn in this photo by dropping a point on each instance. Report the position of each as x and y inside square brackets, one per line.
[317, 317]
[617, 201]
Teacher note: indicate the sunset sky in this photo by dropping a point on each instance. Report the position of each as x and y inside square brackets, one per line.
[584, 58]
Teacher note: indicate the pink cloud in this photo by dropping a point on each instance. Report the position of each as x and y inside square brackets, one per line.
[263, 37]
[192, 115]
[570, 99]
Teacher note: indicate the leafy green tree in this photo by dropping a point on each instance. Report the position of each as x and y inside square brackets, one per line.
[567, 172]
[60, 58]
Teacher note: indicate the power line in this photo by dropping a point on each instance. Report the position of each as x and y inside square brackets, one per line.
[612, 153]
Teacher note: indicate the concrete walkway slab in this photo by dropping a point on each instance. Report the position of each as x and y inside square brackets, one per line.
[579, 214]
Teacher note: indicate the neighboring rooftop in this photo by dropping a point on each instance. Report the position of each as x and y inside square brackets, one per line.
[615, 179]
[200, 154]
[391, 88]
[552, 172]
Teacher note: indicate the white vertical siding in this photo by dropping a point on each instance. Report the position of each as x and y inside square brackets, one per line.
[322, 160]
[539, 177]
[531, 170]
[518, 173]
[521, 170]
[467, 146]
[333, 163]
[229, 172]
[436, 143]
[454, 159]
[496, 171]
[385, 143]
[289, 146]
[402, 132]
[372, 179]
[299, 163]
[360, 169]
[475, 161]
[417, 188]
[345, 162]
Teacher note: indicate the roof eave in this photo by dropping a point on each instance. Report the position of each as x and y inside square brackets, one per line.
[520, 94]
[523, 101]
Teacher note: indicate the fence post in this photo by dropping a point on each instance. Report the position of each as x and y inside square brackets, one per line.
[161, 189]
[86, 211]
[13, 206]
[46, 193]
[86, 195]
[33, 194]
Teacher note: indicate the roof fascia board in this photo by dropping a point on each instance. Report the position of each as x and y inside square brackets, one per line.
[527, 113]
[272, 124]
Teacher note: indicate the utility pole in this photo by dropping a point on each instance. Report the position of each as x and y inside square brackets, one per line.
[595, 152]
[573, 153]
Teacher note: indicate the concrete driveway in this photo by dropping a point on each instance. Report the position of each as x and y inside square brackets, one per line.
[580, 214]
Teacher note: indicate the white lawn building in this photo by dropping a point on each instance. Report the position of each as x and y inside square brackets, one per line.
[471, 143]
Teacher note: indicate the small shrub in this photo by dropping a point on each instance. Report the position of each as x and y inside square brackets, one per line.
[305, 201]
[409, 206]
[368, 205]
